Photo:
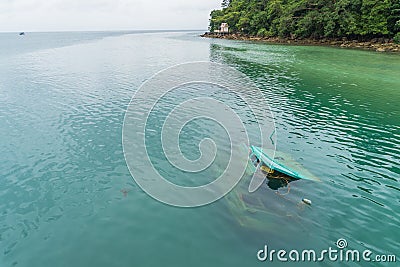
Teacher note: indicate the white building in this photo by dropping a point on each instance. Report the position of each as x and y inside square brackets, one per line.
[224, 28]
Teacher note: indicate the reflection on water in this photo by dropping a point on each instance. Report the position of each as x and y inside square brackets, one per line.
[65, 187]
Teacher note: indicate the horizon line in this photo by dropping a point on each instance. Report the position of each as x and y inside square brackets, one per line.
[124, 30]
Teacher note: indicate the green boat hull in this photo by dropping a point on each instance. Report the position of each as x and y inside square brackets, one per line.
[282, 163]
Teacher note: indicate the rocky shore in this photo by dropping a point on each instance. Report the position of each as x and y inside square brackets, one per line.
[377, 44]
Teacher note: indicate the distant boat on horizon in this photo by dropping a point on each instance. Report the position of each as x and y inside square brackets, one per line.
[21, 33]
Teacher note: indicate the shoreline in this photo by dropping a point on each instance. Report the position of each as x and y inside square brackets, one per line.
[376, 44]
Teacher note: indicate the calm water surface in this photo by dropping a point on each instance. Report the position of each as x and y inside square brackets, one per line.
[67, 197]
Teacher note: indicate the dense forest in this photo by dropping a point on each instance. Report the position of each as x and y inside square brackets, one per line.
[356, 19]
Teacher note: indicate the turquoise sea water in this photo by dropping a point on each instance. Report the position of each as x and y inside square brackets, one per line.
[66, 194]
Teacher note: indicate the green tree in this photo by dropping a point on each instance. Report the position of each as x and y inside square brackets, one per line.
[374, 18]
[215, 21]
[393, 19]
[311, 18]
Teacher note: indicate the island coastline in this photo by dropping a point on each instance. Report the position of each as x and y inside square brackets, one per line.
[376, 44]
